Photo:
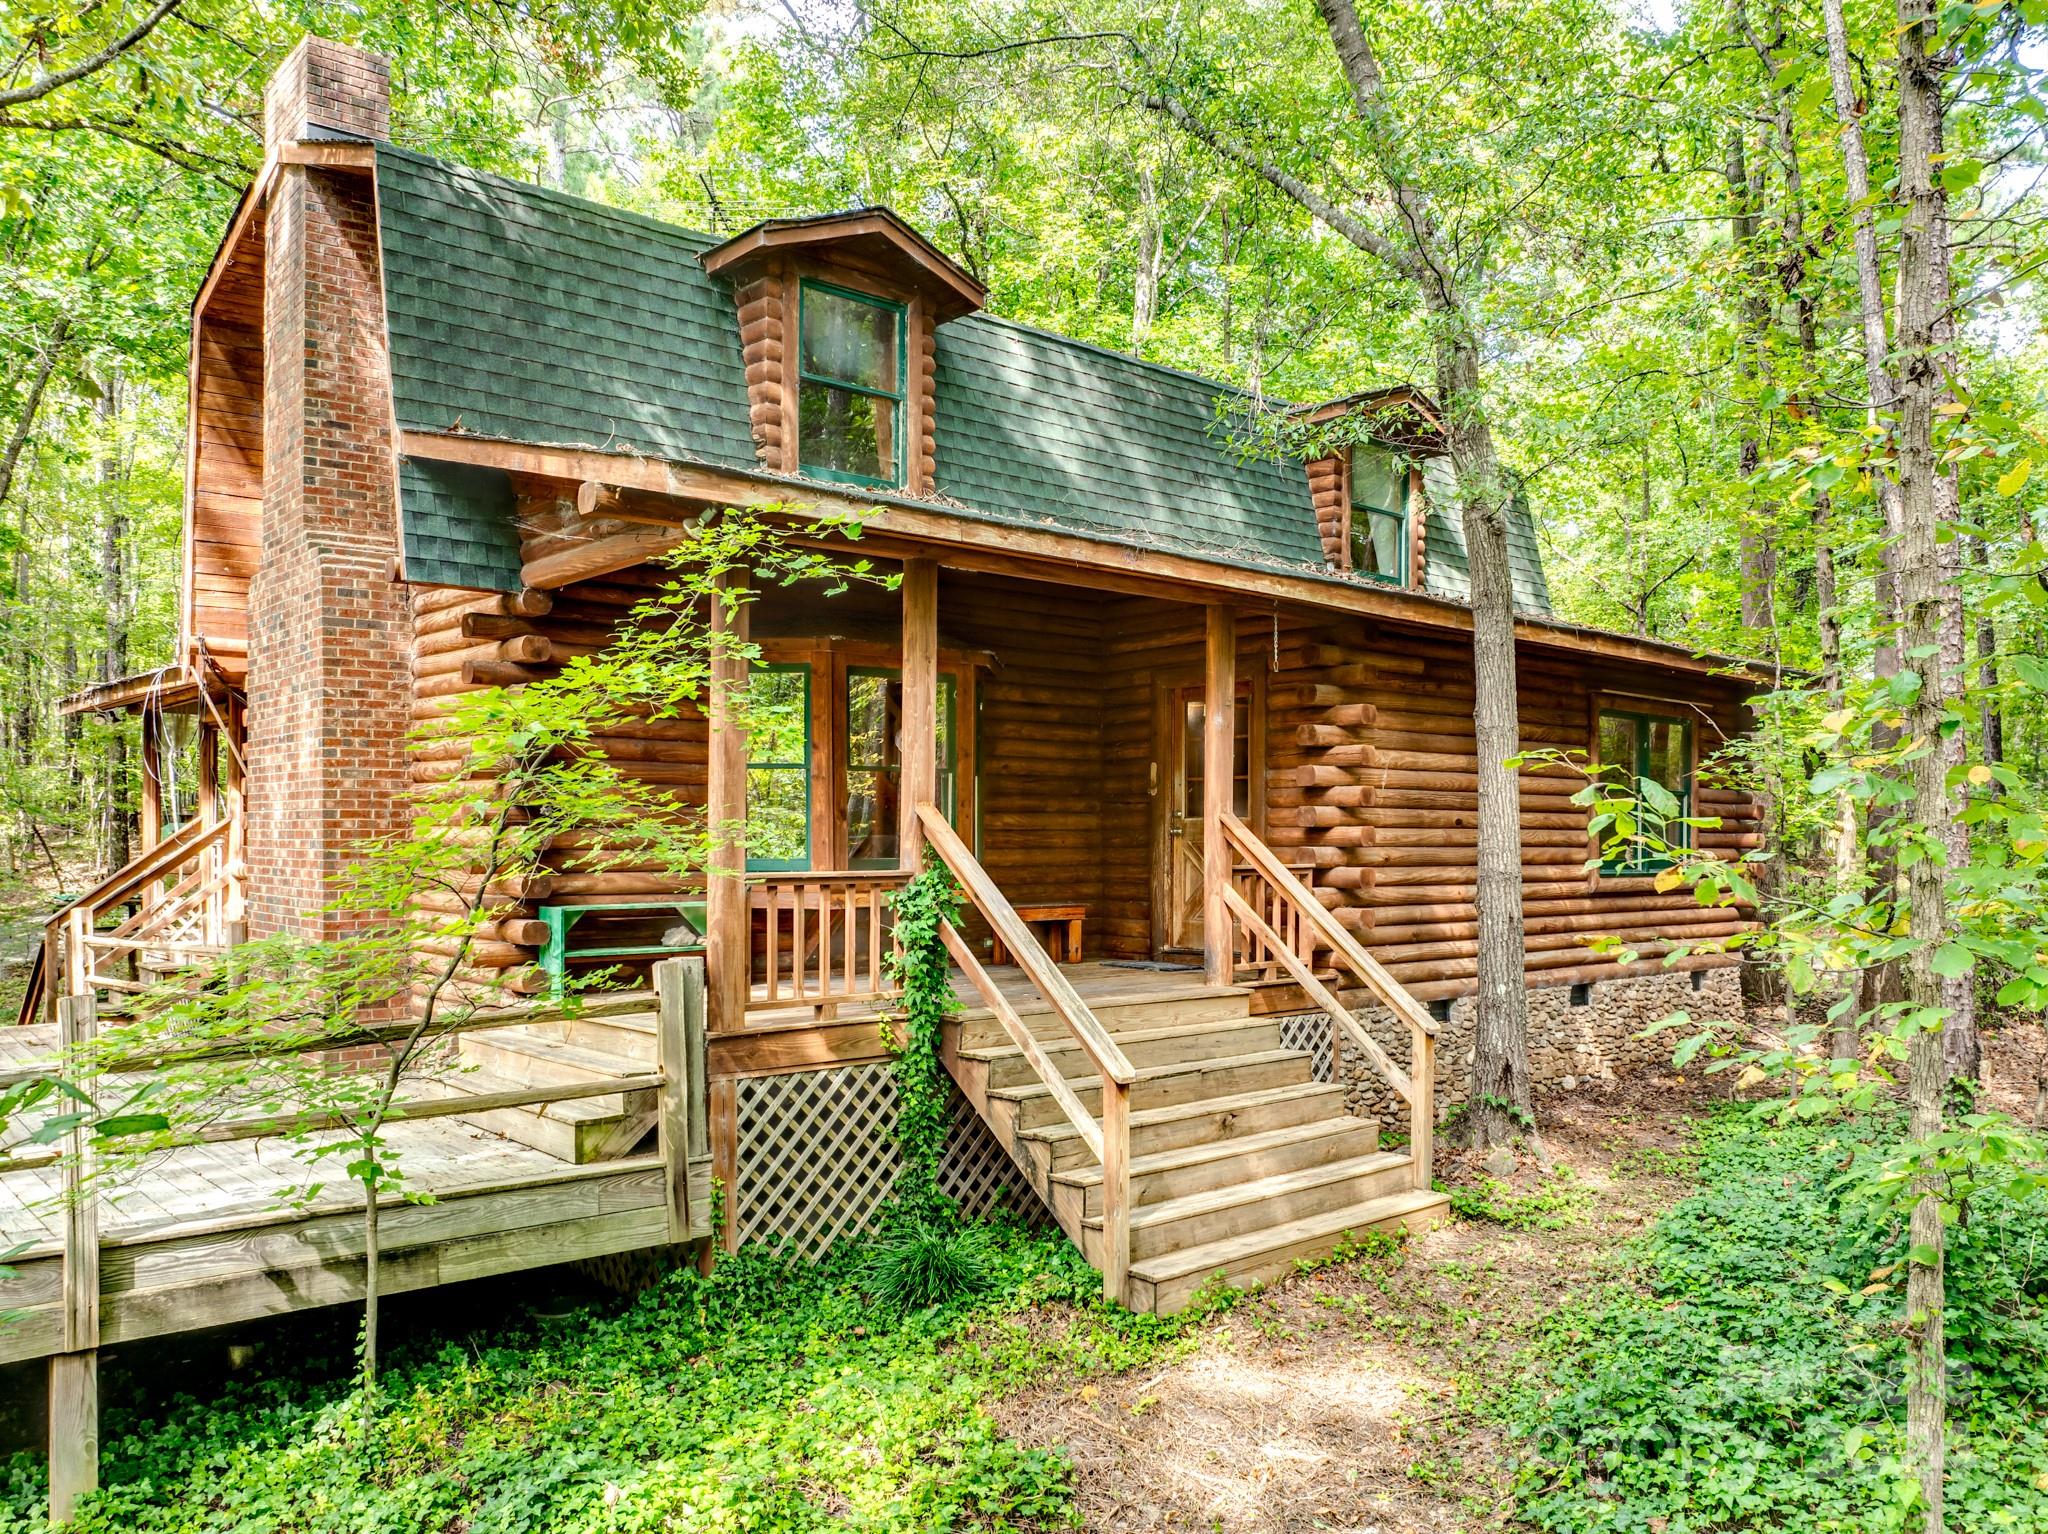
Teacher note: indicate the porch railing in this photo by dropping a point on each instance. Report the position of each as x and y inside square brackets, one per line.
[186, 897]
[822, 940]
[1250, 915]
[1109, 1138]
[1255, 958]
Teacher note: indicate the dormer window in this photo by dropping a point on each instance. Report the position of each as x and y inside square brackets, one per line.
[850, 367]
[1379, 516]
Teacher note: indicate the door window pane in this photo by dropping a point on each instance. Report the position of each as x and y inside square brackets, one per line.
[874, 763]
[778, 721]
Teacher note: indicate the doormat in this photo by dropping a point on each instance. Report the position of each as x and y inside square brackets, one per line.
[1178, 969]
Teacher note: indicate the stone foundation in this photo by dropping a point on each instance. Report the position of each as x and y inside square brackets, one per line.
[1576, 1034]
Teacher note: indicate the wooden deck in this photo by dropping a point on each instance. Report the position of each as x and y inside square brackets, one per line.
[209, 1234]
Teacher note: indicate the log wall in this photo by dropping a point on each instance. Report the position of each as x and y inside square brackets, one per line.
[224, 540]
[1368, 768]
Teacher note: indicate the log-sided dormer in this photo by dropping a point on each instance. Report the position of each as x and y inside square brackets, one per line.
[1367, 487]
[837, 322]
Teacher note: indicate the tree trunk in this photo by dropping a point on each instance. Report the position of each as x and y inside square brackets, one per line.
[31, 405]
[1880, 984]
[1922, 293]
[114, 812]
[1501, 1106]
[1757, 556]
[1990, 721]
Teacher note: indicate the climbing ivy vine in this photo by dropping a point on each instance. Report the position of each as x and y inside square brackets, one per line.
[927, 901]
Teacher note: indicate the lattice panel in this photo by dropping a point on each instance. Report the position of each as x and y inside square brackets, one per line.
[818, 1156]
[1309, 1032]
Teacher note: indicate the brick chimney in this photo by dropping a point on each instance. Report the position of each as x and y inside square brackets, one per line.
[327, 90]
[330, 658]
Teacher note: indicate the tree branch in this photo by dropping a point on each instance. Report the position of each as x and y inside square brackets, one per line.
[42, 85]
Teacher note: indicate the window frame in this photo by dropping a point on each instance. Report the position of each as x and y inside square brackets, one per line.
[1402, 515]
[898, 399]
[948, 765]
[788, 865]
[1643, 713]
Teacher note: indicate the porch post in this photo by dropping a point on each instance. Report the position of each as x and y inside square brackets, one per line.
[1219, 727]
[152, 826]
[919, 745]
[725, 881]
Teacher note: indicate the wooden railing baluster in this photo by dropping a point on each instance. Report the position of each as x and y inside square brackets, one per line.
[1264, 928]
[1110, 1139]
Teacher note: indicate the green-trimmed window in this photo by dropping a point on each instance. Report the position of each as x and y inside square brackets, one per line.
[1379, 516]
[779, 768]
[874, 762]
[1648, 749]
[850, 367]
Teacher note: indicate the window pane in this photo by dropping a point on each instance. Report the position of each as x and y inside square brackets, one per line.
[1376, 480]
[1667, 763]
[1618, 749]
[871, 705]
[776, 709]
[1379, 544]
[846, 433]
[846, 339]
[778, 816]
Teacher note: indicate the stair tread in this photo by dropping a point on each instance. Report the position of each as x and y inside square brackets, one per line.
[1034, 1005]
[599, 1062]
[1220, 1150]
[1145, 1073]
[1126, 1036]
[1228, 1252]
[1259, 1189]
[574, 1110]
[1167, 1114]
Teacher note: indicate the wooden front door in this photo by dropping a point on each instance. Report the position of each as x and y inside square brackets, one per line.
[1178, 889]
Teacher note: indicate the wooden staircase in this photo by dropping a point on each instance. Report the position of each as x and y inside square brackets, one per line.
[1178, 1140]
[1241, 1163]
[609, 1038]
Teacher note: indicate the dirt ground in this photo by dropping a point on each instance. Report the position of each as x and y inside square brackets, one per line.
[1329, 1402]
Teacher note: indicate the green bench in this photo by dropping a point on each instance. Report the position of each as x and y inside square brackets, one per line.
[555, 952]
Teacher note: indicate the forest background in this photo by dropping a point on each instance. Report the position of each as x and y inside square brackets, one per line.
[1669, 325]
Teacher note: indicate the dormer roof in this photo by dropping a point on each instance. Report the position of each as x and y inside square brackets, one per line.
[875, 237]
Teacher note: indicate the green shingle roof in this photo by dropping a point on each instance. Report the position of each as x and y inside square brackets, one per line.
[524, 314]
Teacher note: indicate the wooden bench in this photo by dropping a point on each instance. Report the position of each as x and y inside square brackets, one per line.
[555, 953]
[1057, 926]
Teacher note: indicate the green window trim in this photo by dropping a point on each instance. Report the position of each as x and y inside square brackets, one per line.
[1366, 515]
[895, 478]
[799, 765]
[948, 761]
[1617, 862]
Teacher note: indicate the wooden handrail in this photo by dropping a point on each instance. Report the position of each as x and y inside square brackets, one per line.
[1392, 995]
[1415, 1086]
[1024, 946]
[1111, 1139]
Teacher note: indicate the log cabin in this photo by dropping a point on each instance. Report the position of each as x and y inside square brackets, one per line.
[1191, 724]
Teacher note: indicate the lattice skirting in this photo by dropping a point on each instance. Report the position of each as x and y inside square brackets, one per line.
[818, 1156]
[1310, 1032]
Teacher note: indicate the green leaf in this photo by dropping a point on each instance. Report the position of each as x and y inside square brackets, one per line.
[1923, 1256]
[1952, 960]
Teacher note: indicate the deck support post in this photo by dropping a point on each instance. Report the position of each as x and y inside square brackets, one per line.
[74, 1373]
[919, 747]
[1219, 730]
[74, 1430]
[725, 882]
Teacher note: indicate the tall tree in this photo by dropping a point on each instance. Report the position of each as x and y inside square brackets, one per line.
[1922, 300]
